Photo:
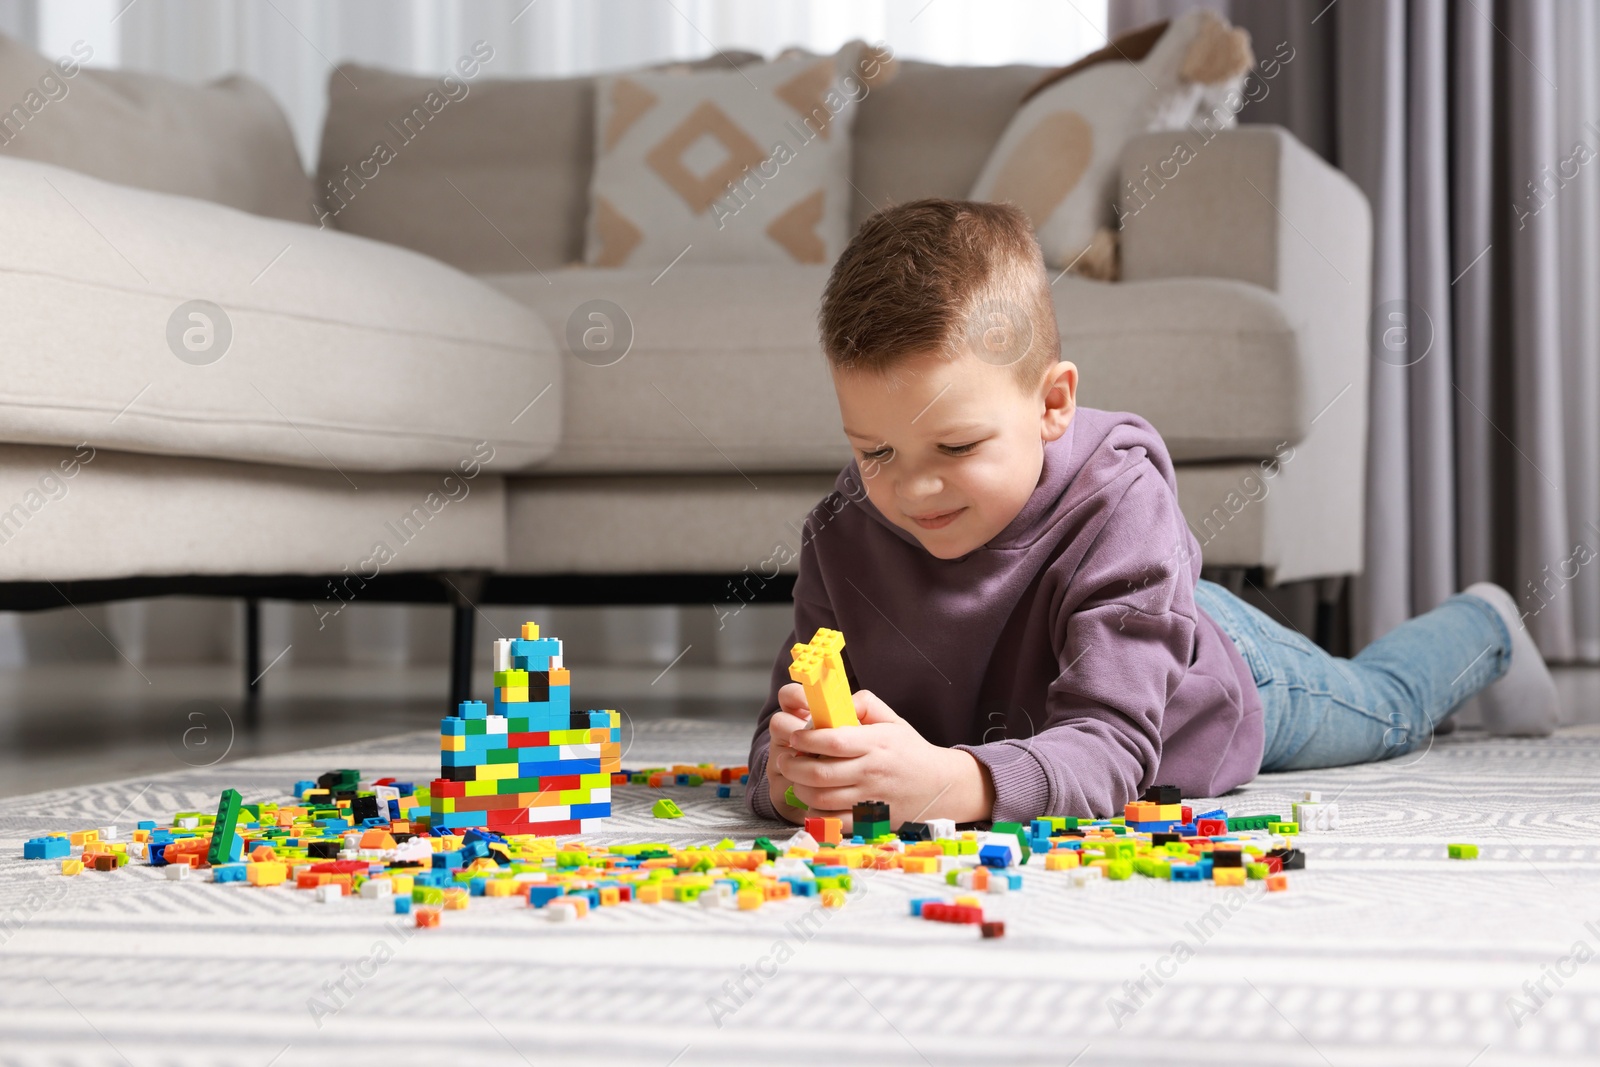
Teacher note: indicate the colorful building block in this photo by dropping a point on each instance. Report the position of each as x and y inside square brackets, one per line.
[819, 668]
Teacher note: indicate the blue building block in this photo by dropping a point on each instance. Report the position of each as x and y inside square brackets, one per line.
[229, 872]
[724, 792]
[540, 895]
[402, 905]
[299, 790]
[995, 856]
[46, 848]
[1186, 872]
[918, 902]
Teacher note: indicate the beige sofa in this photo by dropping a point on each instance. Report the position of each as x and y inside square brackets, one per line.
[397, 414]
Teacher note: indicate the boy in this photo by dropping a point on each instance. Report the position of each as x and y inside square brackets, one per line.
[1019, 593]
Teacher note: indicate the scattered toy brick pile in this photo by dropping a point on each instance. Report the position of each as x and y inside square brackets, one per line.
[341, 837]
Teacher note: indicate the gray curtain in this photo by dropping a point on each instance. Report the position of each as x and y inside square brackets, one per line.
[1474, 128]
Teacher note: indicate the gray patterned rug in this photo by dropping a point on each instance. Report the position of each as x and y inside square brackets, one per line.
[1383, 951]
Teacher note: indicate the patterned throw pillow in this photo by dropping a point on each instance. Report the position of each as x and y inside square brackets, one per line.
[750, 165]
[1058, 159]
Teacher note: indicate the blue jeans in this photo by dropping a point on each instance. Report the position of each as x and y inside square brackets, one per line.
[1323, 711]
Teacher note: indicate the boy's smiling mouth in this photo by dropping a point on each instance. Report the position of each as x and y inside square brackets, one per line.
[935, 520]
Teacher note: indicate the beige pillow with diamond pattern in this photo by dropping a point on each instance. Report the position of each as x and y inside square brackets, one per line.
[743, 166]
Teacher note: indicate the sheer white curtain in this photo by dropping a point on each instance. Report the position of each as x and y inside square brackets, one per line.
[291, 46]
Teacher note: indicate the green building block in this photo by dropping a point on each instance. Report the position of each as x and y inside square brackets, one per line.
[1015, 829]
[793, 801]
[1119, 870]
[1463, 852]
[225, 827]
[765, 844]
[666, 809]
[1283, 828]
[1120, 850]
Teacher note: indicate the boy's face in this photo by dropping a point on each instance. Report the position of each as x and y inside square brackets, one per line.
[951, 449]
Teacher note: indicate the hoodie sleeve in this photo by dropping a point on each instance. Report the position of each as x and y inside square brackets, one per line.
[1124, 633]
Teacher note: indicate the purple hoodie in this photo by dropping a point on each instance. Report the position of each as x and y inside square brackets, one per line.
[1067, 654]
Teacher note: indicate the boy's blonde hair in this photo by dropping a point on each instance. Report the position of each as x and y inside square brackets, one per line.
[951, 277]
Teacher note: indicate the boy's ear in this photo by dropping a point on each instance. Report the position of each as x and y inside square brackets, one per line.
[1060, 397]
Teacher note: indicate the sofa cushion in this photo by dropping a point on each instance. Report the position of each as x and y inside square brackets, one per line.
[717, 368]
[928, 131]
[344, 354]
[227, 142]
[723, 373]
[1215, 365]
[744, 166]
[500, 182]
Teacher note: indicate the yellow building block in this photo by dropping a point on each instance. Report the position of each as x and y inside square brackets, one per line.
[456, 899]
[749, 899]
[919, 864]
[530, 631]
[819, 667]
[648, 893]
[71, 867]
[271, 873]
[1060, 861]
[1228, 875]
[833, 898]
[500, 887]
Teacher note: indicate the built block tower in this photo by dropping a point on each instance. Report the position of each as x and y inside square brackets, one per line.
[528, 764]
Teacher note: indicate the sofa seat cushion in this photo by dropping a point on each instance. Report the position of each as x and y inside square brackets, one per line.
[1214, 365]
[724, 373]
[345, 354]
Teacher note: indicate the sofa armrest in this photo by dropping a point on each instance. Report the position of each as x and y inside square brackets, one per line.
[1256, 205]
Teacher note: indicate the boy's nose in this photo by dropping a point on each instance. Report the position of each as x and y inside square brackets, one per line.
[916, 488]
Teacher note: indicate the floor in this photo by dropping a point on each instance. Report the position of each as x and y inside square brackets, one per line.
[64, 725]
[1382, 951]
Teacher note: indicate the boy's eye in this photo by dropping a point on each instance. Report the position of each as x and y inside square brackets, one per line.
[958, 450]
[880, 454]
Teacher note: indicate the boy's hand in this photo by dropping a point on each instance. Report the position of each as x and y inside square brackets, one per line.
[791, 718]
[882, 759]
